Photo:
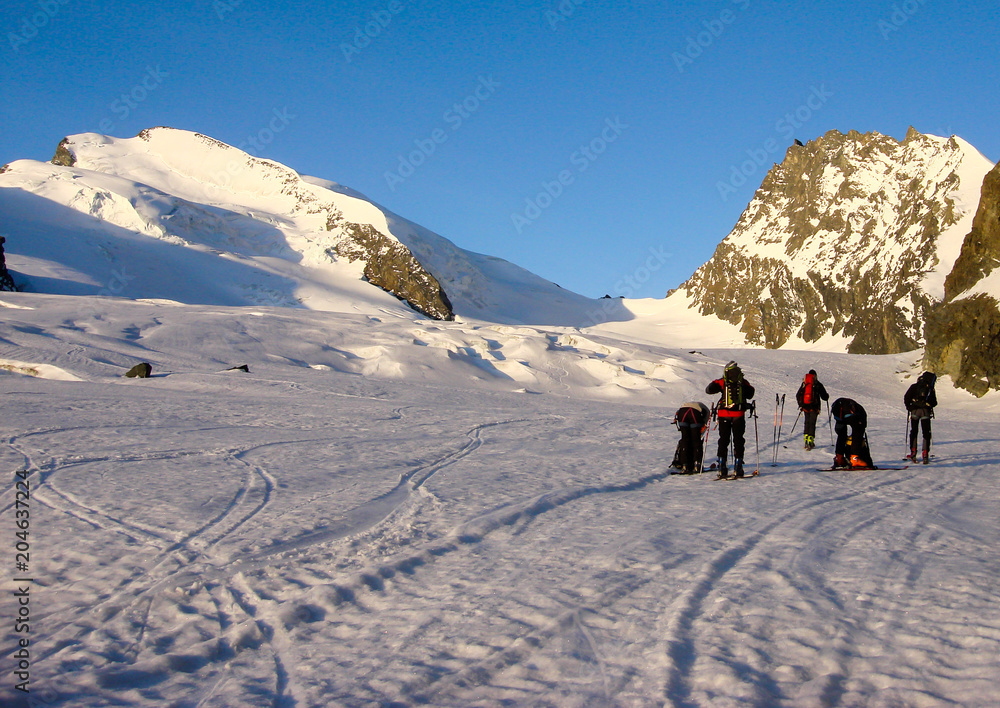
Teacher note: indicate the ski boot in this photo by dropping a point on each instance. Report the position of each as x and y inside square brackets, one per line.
[839, 461]
[926, 456]
[858, 462]
[810, 442]
[738, 468]
[723, 470]
[912, 457]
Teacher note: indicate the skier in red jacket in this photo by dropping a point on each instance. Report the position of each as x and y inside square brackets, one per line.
[809, 397]
[736, 391]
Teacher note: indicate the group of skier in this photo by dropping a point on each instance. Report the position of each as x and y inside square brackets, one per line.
[850, 422]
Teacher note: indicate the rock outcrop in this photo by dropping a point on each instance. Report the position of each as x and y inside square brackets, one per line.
[963, 332]
[391, 266]
[64, 156]
[6, 281]
[846, 237]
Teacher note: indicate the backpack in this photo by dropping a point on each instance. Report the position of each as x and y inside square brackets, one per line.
[807, 393]
[732, 388]
[928, 387]
[922, 390]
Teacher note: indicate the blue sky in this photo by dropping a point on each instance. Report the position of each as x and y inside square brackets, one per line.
[593, 143]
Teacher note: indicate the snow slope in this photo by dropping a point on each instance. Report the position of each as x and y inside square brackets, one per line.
[176, 215]
[392, 511]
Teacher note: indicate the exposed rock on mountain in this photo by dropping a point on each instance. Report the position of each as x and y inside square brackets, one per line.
[64, 156]
[850, 236]
[392, 267]
[963, 333]
[6, 281]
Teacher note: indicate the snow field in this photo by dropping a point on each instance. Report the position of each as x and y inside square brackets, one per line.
[326, 530]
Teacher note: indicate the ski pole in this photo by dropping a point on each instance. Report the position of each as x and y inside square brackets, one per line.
[704, 443]
[774, 431]
[781, 420]
[829, 421]
[708, 429]
[756, 438]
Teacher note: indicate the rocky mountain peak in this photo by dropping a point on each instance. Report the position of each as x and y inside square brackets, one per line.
[850, 236]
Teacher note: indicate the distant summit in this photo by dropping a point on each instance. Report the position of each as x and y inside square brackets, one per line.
[849, 239]
[173, 214]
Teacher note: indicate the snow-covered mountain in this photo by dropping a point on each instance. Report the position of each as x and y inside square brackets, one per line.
[848, 241]
[177, 215]
[846, 246]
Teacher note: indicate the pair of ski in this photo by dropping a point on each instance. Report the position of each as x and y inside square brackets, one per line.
[860, 469]
[863, 469]
[755, 473]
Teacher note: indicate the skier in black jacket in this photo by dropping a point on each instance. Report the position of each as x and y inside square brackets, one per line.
[849, 413]
[809, 397]
[920, 400]
[691, 420]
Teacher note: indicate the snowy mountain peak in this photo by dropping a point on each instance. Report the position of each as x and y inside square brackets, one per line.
[850, 237]
[174, 214]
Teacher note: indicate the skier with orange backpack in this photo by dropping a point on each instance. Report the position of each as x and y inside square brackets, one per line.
[852, 443]
[809, 397]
